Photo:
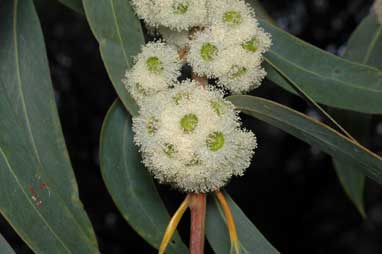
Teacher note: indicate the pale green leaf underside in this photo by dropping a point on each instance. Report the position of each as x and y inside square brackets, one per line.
[130, 183]
[39, 191]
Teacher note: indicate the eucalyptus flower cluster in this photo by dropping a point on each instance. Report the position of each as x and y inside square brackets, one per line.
[224, 39]
[189, 135]
[191, 138]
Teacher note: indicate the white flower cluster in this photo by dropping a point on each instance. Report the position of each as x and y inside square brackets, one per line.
[175, 14]
[226, 42]
[377, 7]
[189, 135]
[155, 69]
[191, 138]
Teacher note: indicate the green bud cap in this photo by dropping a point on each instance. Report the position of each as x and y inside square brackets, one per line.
[189, 122]
[251, 45]
[169, 149]
[180, 96]
[232, 17]
[215, 141]
[154, 64]
[140, 89]
[194, 161]
[218, 107]
[237, 71]
[180, 8]
[152, 126]
[208, 51]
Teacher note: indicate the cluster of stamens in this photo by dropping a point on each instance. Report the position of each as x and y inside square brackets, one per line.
[189, 135]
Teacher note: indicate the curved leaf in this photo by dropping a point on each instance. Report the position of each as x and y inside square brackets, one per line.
[75, 5]
[364, 46]
[251, 239]
[260, 11]
[352, 181]
[5, 248]
[39, 192]
[130, 184]
[312, 132]
[120, 37]
[321, 75]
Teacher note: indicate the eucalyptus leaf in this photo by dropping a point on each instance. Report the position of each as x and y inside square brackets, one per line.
[352, 181]
[361, 48]
[75, 5]
[120, 37]
[39, 191]
[364, 46]
[326, 78]
[251, 239]
[312, 132]
[130, 183]
[119, 34]
[5, 248]
[260, 11]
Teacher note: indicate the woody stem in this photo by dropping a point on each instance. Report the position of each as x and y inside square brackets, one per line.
[198, 216]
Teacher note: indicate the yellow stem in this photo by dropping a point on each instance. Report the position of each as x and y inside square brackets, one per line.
[235, 245]
[173, 224]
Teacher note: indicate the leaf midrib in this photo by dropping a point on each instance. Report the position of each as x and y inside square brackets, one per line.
[372, 45]
[27, 121]
[116, 23]
[18, 74]
[27, 197]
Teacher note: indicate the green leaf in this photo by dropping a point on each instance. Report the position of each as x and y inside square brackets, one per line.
[311, 132]
[321, 75]
[75, 5]
[41, 198]
[130, 183]
[5, 248]
[352, 181]
[119, 34]
[260, 11]
[364, 46]
[251, 239]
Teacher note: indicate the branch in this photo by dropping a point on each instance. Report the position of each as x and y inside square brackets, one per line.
[198, 217]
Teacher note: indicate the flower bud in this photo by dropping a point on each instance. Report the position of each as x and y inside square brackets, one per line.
[156, 68]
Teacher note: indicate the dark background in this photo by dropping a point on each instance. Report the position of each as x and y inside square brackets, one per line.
[291, 191]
